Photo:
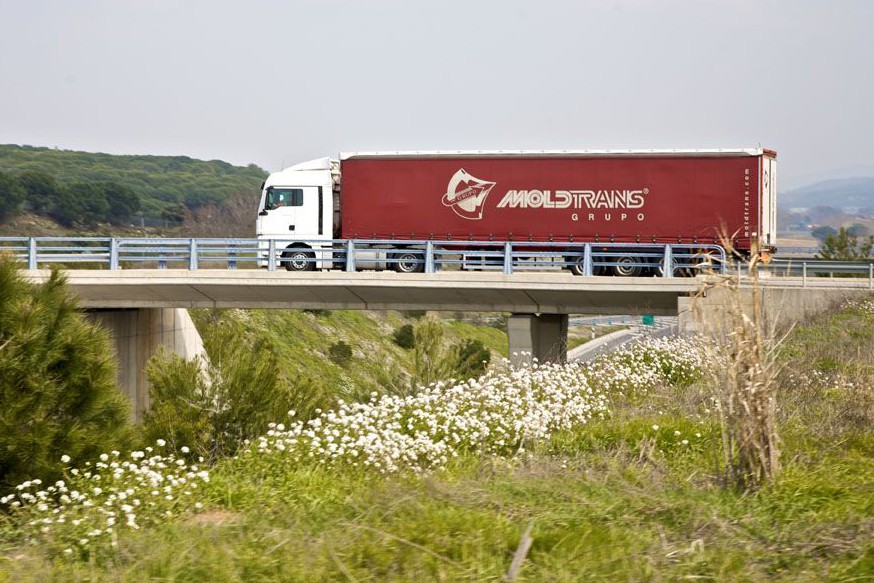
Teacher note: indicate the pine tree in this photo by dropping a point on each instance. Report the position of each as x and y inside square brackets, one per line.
[845, 246]
[58, 389]
[11, 196]
[214, 406]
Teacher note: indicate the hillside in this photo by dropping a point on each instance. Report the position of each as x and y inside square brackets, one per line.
[162, 182]
[303, 340]
[840, 193]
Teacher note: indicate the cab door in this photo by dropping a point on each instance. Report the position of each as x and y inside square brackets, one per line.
[291, 212]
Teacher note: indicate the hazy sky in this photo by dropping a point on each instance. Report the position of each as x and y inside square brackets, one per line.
[278, 82]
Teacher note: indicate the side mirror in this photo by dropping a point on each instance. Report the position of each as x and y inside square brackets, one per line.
[262, 213]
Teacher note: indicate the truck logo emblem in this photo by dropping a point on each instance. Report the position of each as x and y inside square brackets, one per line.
[466, 195]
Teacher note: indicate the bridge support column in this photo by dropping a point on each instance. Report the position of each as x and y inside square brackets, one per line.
[540, 336]
[137, 335]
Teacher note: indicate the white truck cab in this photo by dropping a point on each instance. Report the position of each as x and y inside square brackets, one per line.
[297, 211]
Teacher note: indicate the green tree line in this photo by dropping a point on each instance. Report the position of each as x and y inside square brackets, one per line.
[94, 187]
[73, 204]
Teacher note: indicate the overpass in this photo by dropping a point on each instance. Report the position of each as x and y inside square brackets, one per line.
[145, 308]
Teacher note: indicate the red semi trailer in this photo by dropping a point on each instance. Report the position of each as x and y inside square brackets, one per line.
[645, 197]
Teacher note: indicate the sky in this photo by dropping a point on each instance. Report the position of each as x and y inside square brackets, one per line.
[279, 82]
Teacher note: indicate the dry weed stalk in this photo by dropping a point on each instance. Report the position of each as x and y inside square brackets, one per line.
[746, 385]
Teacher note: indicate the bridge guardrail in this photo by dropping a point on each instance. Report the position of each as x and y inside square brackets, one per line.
[347, 254]
[424, 255]
[812, 269]
[194, 253]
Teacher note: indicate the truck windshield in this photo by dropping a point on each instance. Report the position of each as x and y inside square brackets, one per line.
[277, 197]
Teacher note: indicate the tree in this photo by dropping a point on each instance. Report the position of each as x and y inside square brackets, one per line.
[822, 232]
[11, 196]
[213, 406]
[80, 203]
[58, 389]
[844, 246]
[40, 189]
[122, 201]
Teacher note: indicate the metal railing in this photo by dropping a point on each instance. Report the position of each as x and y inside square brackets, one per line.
[351, 255]
[423, 256]
[812, 270]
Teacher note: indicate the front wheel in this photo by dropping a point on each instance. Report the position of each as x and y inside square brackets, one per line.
[299, 260]
[408, 262]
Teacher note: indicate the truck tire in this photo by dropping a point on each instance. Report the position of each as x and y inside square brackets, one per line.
[626, 267]
[575, 265]
[408, 262]
[299, 260]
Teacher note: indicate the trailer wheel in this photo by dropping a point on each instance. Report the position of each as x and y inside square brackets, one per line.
[299, 260]
[408, 262]
[576, 265]
[626, 267]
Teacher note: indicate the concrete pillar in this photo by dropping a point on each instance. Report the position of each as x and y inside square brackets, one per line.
[137, 334]
[541, 336]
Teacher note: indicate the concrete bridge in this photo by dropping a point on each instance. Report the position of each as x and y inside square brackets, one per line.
[145, 308]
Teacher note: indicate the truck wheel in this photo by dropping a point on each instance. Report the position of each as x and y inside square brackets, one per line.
[626, 267]
[408, 262]
[576, 265]
[299, 260]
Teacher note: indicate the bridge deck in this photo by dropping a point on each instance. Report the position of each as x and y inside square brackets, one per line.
[447, 291]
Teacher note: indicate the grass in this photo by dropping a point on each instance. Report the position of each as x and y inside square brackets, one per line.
[620, 499]
[303, 339]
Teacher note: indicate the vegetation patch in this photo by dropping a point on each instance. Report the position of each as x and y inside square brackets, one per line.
[68, 184]
[612, 471]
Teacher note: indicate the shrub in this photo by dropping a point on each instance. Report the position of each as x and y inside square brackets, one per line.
[429, 357]
[340, 353]
[405, 337]
[746, 387]
[59, 394]
[470, 359]
[83, 514]
[502, 413]
[318, 312]
[414, 314]
[214, 406]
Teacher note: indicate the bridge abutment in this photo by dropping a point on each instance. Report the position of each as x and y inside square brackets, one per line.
[137, 334]
[540, 336]
[714, 312]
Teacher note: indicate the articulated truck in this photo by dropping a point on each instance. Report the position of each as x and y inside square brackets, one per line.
[550, 203]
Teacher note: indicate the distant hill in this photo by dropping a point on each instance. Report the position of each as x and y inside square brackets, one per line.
[163, 182]
[841, 193]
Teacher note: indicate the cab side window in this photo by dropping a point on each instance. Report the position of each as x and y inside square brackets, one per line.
[279, 197]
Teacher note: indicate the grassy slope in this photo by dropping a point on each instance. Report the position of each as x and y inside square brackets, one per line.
[615, 501]
[303, 340]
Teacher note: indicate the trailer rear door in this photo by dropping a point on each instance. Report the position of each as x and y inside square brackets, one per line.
[768, 207]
